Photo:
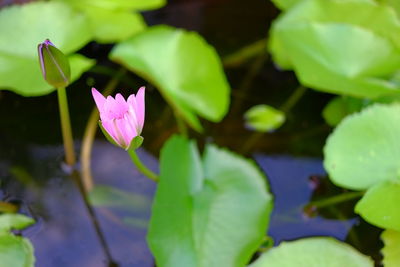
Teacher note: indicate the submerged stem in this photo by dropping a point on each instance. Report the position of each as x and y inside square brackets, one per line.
[141, 167]
[335, 199]
[66, 127]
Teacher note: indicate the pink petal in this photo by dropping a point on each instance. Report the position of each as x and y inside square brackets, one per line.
[137, 103]
[99, 99]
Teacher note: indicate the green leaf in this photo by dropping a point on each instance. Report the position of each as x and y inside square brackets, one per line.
[363, 150]
[379, 206]
[107, 196]
[22, 28]
[15, 251]
[264, 118]
[285, 4]
[186, 70]
[313, 252]
[339, 107]
[334, 49]
[117, 4]
[207, 212]
[114, 26]
[391, 250]
[9, 221]
[395, 4]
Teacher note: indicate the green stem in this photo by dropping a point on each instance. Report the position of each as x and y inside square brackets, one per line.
[141, 167]
[245, 53]
[335, 199]
[293, 99]
[181, 125]
[66, 127]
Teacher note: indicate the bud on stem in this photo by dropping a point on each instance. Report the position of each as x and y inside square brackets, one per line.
[54, 65]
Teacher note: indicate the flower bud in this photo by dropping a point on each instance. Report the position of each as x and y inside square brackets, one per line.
[54, 65]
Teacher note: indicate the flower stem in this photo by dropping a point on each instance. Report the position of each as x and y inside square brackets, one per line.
[335, 199]
[141, 167]
[66, 126]
[90, 132]
[293, 99]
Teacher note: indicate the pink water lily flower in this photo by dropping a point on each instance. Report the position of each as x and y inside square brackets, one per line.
[122, 119]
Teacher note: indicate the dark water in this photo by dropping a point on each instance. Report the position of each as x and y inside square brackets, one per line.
[31, 172]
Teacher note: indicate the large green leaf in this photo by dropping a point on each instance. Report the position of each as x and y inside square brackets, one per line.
[114, 20]
[15, 251]
[363, 150]
[118, 4]
[379, 206]
[183, 66]
[114, 26]
[285, 4]
[334, 49]
[207, 212]
[313, 252]
[391, 250]
[22, 28]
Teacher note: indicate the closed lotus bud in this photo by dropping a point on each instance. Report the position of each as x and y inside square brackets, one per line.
[54, 65]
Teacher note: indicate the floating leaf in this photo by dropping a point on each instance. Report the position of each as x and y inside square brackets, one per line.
[313, 252]
[391, 250]
[15, 251]
[9, 221]
[339, 107]
[22, 28]
[363, 150]
[379, 206]
[264, 118]
[334, 49]
[183, 66]
[207, 212]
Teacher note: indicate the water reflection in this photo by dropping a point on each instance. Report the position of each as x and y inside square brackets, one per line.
[289, 180]
[64, 235]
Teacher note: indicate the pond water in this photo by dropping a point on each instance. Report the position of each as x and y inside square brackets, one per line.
[67, 234]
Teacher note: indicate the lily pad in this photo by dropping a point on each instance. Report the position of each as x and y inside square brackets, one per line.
[15, 251]
[185, 69]
[391, 250]
[339, 107]
[22, 28]
[264, 118]
[379, 206]
[9, 221]
[207, 212]
[313, 252]
[363, 150]
[333, 49]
